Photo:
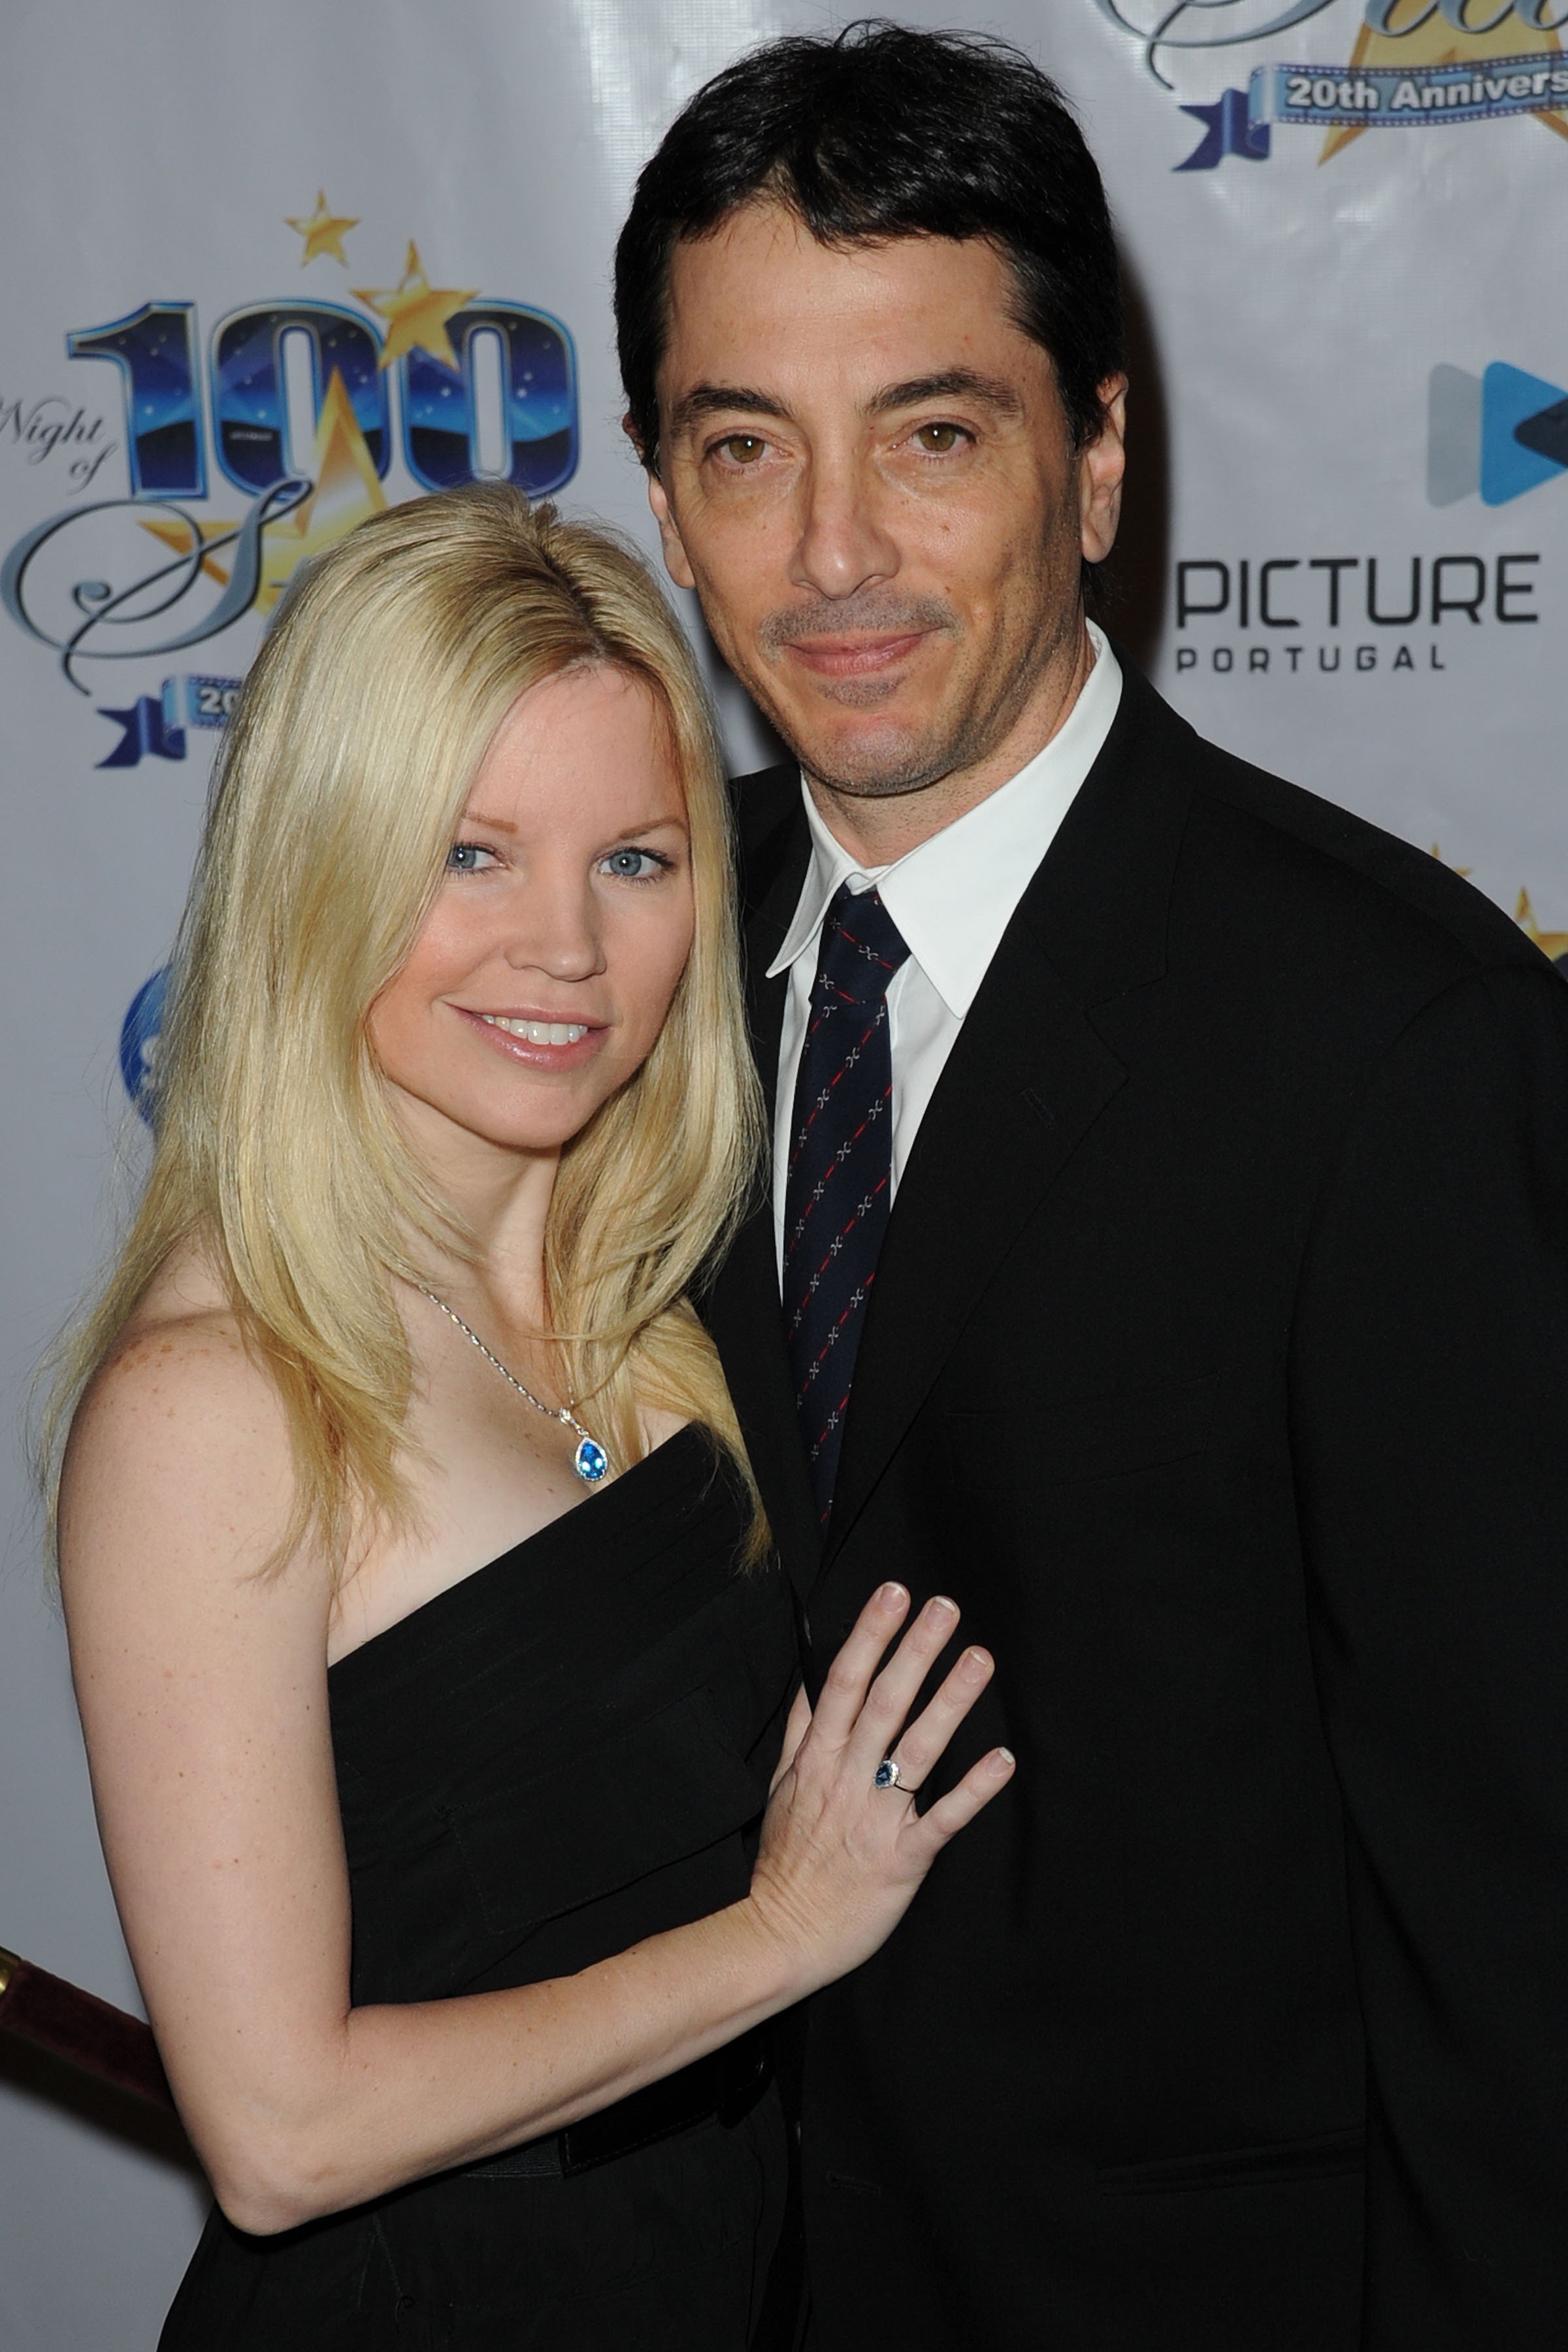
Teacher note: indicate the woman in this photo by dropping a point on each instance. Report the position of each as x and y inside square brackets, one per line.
[443, 1880]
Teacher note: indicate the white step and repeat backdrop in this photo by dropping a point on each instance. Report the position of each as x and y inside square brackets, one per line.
[269, 268]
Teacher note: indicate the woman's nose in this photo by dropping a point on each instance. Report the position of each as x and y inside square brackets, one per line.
[555, 932]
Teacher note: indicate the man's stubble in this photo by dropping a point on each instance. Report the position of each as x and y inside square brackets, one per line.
[966, 729]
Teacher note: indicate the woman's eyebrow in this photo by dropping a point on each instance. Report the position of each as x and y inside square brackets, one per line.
[676, 819]
[490, 823]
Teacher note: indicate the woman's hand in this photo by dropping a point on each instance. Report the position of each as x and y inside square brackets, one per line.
[840, 1858]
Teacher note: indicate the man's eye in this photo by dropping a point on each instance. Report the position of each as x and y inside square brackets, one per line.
[635, 865]
[742, 448]
[938, 440]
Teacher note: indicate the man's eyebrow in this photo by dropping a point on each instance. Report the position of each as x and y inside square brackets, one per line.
[716, 399]
[947, 384]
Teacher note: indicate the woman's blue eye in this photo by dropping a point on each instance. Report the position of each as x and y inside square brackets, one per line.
[635, 865]
[464, 855]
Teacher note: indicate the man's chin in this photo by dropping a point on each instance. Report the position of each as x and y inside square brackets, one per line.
[883, 772]
[874, 756]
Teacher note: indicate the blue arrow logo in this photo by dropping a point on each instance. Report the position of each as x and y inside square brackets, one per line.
[1501, 433]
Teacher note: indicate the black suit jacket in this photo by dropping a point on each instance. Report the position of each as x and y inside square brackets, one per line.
[1217, 1364]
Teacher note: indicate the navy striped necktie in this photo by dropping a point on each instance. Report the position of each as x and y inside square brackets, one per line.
[838, 1187]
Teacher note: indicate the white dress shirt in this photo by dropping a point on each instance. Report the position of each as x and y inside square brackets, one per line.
[951, 897]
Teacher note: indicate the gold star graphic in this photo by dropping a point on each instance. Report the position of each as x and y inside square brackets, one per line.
[347, 492]
[323, 231]
[1550, 944]
[417, 312]
[175, 532]
[1411, 40]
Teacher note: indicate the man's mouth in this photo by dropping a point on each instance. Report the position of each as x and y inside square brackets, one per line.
[855, 656]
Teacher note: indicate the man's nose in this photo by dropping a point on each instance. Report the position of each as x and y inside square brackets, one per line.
[844, 543]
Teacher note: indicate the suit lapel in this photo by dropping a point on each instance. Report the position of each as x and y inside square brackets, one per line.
[1020, 1089]
[1026, 1079]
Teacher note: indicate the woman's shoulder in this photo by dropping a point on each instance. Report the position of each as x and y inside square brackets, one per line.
[182, 1355]
[179, 1431]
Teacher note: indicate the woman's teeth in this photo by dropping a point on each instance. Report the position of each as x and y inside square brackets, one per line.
[539, 1033]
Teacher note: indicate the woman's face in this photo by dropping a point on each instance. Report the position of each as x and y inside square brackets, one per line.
[546, 964]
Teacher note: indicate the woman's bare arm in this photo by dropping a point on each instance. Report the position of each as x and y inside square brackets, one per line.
[202, 1691]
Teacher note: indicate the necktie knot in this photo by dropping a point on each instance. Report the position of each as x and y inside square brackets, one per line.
[861, 947]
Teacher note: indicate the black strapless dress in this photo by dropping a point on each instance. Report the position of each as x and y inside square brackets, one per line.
[566, 1752]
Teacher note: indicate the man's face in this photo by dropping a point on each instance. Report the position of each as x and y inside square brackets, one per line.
[866, 474]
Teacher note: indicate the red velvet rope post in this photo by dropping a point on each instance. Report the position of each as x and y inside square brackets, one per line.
[79, 2027]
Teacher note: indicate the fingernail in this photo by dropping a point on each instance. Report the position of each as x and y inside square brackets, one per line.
[942, 1605]
[974, 1665]
[890, 1596]
[1004, 1756]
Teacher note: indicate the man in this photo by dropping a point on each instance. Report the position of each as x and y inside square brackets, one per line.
[1214, 1355]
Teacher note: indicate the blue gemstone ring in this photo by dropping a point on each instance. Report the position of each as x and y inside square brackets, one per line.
[887, 1774]
[589, 1462]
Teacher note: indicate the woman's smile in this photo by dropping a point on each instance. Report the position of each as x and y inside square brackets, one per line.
[535, 1042]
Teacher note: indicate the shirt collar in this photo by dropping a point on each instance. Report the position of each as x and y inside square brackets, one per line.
[952, 896]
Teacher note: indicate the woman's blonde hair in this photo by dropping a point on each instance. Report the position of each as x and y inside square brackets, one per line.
[276, 1155]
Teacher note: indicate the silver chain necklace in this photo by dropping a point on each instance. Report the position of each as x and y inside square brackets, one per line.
[589, 1461]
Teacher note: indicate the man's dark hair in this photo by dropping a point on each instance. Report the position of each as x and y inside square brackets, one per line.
[883, 132]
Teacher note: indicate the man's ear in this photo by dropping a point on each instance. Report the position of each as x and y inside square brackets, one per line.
[675, 562]
[675, 557]
[1101, 465]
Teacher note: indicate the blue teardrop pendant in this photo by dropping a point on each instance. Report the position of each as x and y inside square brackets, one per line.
[589, 1462]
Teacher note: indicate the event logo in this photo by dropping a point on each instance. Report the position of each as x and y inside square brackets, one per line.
[293, 411]
[1414, 65]
[155, 725]
[56, 431]
[141, 1036]
[1500, 434]
[1279, 615]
